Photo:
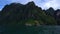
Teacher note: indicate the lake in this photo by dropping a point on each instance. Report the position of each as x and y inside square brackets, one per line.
[29, 29]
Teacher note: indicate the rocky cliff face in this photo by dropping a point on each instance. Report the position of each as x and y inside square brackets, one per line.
[57, 16]
[17, 13]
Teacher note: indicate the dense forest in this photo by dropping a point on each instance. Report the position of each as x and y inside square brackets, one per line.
[19, 14]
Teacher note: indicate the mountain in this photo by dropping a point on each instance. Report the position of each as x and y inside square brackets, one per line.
[57, 16]
[16, 13]
[54, 13]
[50, 11]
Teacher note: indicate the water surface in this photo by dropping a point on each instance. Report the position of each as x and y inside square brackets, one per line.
[29, 30]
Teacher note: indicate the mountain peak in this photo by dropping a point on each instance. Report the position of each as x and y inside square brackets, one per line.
[31, 3]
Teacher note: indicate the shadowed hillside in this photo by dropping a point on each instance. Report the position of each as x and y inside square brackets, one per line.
[29, 14]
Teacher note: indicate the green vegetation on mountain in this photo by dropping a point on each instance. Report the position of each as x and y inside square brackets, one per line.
[16, 13]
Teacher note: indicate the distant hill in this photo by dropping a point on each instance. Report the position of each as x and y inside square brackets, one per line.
[57, 16]
[16, 13]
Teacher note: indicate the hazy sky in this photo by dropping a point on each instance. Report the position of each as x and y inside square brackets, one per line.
[45, 4]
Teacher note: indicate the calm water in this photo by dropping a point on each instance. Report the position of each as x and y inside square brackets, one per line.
[29, 30]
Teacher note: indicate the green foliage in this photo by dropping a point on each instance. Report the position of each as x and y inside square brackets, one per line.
[16, 13]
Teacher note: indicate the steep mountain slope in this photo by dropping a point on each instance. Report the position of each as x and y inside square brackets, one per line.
[54, 13]
[50, 11]
[57, 16]
[16, 13]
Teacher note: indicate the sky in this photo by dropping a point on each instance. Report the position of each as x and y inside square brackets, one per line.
[44, 4]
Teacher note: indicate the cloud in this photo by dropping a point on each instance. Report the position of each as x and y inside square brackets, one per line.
[45, 4]
[30, 0]
[52, 3]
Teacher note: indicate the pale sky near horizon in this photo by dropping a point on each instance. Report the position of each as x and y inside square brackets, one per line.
[44, 4]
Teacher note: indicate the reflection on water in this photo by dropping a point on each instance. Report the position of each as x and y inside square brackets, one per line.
[29, 30]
